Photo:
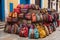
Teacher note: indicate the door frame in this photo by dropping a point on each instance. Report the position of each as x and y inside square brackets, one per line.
[3, 9]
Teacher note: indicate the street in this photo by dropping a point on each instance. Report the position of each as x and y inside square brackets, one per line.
[6, 36]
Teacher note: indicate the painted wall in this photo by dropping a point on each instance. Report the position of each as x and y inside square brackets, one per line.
[32, 1]
[7, 6]
[59, 6]
[44, 3]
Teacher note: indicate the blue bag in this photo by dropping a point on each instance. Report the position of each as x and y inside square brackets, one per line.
[36, 33]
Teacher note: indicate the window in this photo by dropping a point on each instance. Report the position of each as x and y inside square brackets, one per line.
[11, 7]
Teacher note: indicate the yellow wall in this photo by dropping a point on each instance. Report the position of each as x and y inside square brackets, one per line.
[15, 3]
[45, 3]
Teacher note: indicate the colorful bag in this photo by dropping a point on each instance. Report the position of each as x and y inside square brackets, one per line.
[41, 17]
[19, 6]
[54, 26]
[14, 28]
[38, 17]
[19, 27]
[17, 10]
[33, 17]
[44, 17]
[41, 31]
[36, 33]
[21, 15]
[26, 6]
[14, 17]
[7, 28]
[31, 33]
[46, 29]
[23, 32]
[9, 19]
[49, 28]
[49, 18]
[28, 16]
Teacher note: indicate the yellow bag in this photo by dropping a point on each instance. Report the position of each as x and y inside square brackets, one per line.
[41, 31]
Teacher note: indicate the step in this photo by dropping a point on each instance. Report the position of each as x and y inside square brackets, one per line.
[2, 25]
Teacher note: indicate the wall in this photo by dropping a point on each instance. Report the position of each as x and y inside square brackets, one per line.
[59, 6]
[44, 3]
[7, 6]
[32, 1]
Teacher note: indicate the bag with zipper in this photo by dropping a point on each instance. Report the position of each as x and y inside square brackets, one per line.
[17, 10]
[7, 28]
[33, 17]
[19, 27]
[38, 17]
[14, 28]
[46, 29]
[23, 31]
[36, 33]
[41, 31]
[28, 16]
[41, 17]
[21, 15]
[49, 28]
[14, 17]
[31, 33]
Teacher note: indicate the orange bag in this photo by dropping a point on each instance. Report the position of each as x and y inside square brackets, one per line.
[33, 17]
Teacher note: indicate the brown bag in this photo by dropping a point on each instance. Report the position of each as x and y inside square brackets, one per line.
[14, 28]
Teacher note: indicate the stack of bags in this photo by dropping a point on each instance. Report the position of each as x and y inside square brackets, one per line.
[31, 21]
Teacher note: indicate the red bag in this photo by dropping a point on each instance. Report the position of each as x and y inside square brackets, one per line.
[19, 6]
[17, 10]
[33, 17]
[49, 18]
[23, 32]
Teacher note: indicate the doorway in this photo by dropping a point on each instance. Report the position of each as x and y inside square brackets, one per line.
[2, 10]
[38, 2]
